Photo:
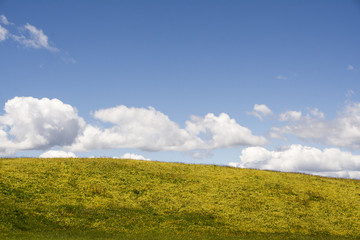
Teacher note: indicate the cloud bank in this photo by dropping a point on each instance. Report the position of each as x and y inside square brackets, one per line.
[43, 124]
[343, 131]
[298, 158]
[30, 123]
[151, 130]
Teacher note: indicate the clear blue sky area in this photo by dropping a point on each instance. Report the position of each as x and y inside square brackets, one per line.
[187, 58]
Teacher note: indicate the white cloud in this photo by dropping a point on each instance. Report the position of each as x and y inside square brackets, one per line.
[222, 132]
[349, 94]
[3, 33]
[134, 156]
[27, 35]
[6, 148]
[57, 154]
[276, 134]
[290, 116]
[151, 130]
[35, 38]
[146, 129]
[30, 36]
[344, 131]
[297, 158]
[200, 154]
[4, 20]
[261, 111]
[281, 77]
[351, 68]
[31, 123]
[340, 174]
[316, 113]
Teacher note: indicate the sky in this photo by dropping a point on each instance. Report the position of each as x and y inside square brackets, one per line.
[253, 84]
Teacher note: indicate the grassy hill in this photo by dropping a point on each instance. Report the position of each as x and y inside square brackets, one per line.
[128, 199]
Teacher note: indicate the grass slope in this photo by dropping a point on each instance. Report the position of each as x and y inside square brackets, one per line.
[127, 199]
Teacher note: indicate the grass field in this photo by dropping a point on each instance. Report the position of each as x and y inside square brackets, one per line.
[128, 199]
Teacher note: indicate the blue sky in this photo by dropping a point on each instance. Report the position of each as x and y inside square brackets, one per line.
[297, 61]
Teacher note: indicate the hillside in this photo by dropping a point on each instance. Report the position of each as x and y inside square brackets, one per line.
[128, 199]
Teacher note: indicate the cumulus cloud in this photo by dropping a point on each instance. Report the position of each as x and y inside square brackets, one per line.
[344, 131]
[3, 34]
[57, 154]
[151, 130]
[31, 123]
[290, 116]
[141, 128]
[261, 111]
[6, 147]
[222, 132]
[134, 156]
[35, 38]
[298, 158]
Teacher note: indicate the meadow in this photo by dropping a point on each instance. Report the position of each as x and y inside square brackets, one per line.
[128, 199]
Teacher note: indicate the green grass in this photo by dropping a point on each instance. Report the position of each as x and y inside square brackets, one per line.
[127, 199]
